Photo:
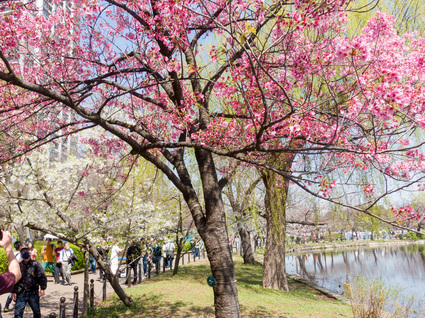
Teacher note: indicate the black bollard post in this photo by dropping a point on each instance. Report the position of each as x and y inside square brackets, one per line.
[104, 290]
[62, 309]
[164, 261]
[194, 257]
[52, 315]
[75, 313]
[140, 271]
[128, 276]
[91, 293]
[183, 259]
[188, 258]
[149, 269]
[203, 253]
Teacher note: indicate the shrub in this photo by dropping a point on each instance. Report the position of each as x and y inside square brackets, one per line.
[372, 299]
[410, 236]
[3, 262]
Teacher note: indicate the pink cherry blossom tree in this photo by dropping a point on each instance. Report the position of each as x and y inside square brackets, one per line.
[280, 82]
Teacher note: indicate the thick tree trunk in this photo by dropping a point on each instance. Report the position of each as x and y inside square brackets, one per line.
[246, 247]
[225, 292]
[113, 280]
[274, 275]
[212, 228]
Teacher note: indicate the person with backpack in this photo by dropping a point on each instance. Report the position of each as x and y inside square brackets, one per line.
[31, 286]
[67, 259]
[133, 255]
[156, 256]
[49, 256]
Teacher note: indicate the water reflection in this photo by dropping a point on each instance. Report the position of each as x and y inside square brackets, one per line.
[403, 266]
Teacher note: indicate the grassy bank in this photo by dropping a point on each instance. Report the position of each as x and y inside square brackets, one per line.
[188, 295]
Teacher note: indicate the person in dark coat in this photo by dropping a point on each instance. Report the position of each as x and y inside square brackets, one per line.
[134, 253]
[31, 286]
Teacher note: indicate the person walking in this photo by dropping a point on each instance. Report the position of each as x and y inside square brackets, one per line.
[49, 256]
[156, 256]
[114, 258]
[146, 257]
[31, 286]
[197, 247]
[237, 243]
[133, 256]
[67, 260]
[58, 263]
[92, 262]
[169, 249]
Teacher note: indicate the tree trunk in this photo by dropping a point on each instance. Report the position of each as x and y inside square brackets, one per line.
[21, 233]
[212, 228]
[113, 280]
[274, 275]
[225, 292]
[180, 244]
[246, 247]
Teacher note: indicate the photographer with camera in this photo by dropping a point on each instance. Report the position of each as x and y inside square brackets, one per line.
[9, 279]
[31, 286]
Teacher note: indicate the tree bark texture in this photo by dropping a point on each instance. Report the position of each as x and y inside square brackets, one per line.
[240, 207]
[246, 247]
[213, 230]
[274, 275]
[113, 280]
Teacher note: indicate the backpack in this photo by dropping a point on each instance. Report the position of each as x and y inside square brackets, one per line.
[157, 250]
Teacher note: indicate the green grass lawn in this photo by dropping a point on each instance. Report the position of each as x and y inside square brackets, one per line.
[188, 295]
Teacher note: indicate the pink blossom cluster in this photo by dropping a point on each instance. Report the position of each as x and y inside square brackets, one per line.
[141, 71]
[406, 213]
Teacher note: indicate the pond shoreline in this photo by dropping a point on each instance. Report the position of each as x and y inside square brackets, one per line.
[321, 247]
[338, 246]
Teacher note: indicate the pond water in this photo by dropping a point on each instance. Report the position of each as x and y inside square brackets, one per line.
[402, 266]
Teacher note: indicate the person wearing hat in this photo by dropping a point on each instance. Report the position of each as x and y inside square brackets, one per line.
[31, 286]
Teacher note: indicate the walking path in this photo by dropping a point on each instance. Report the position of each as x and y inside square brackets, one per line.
[50, 302]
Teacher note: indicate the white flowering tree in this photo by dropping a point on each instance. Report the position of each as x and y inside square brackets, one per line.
[83, 199]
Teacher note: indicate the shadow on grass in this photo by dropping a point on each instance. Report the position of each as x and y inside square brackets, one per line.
[249, 274]
[259, 312]
[151, 306]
